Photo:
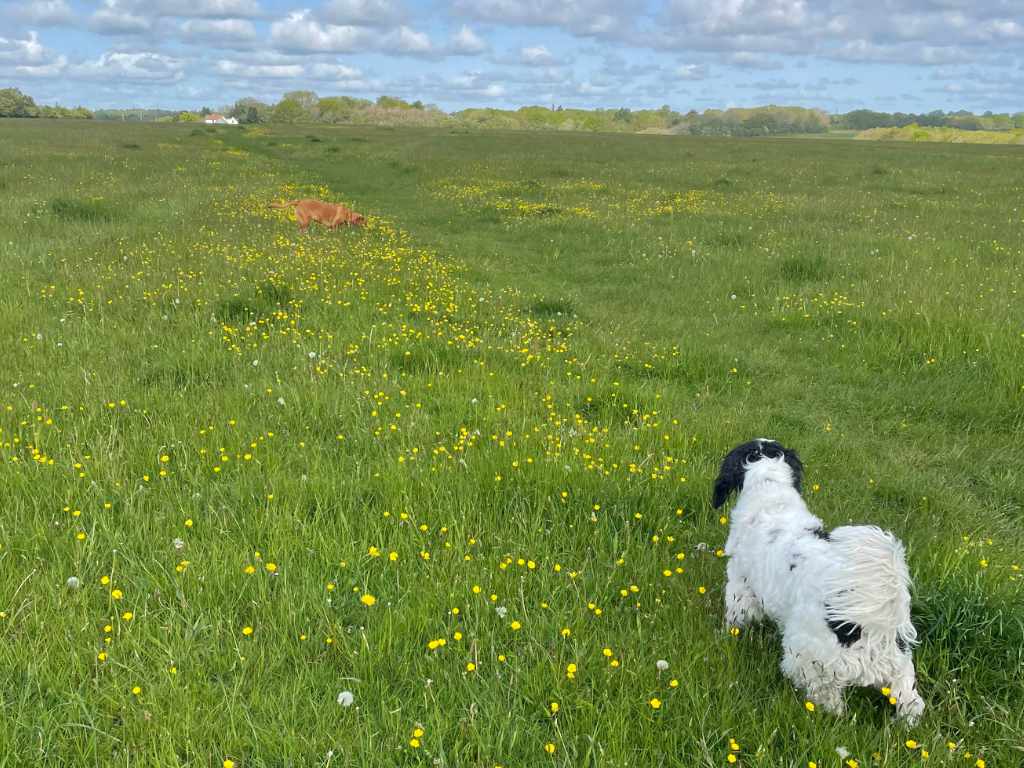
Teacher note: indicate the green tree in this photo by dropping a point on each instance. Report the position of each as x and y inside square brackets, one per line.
[250, 110]
[391, 102]
[14, 103]
[289, 111]
[308, 101]
[340, 109]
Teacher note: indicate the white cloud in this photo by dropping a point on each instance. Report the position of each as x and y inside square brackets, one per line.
[270, 71]
[362, 13]
[334, 72]
[466, 42]
[473, 85]
[114, 18]
[588, 88]
[51, 69]
[861, 50]
[772, 85]
[24, 51]
[215, 9]
[751, 60]
[132, 17]
[583, 17]
[536, 56]
[728, 17]
[691, 72]
[218, 30]
[28, 57]
[146, 66]
[301, 32]
[40, 12]
[409, 41]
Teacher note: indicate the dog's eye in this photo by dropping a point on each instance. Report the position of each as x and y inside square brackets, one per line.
[772, 453]
[751, 457]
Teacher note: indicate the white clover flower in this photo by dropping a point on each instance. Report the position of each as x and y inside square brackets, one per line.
[661, 664]
[501, 610]
[280, 401]
[345, 698]
[178, 544]
[73, 582]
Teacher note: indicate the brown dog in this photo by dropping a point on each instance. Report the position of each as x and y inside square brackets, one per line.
[328, 214]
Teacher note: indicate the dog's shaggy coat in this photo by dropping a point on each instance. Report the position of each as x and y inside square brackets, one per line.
[841, 598]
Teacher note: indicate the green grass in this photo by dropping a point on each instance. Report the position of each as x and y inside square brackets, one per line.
[536, 353]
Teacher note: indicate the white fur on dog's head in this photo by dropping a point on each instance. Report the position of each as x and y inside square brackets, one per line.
[757, 461]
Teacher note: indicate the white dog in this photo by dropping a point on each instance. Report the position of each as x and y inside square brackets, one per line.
[841, 599]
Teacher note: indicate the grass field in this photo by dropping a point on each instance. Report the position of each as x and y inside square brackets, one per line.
[458, 463]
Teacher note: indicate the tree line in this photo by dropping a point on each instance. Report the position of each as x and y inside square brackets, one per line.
[308, 107]
[14, 103]
[865, 119]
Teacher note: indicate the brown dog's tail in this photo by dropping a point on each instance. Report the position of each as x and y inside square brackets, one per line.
[288, 204]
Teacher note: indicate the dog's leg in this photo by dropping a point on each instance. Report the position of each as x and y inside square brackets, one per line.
[829, 697]
[909, 704]
[804, 669]
[821, 689]
[742, 606]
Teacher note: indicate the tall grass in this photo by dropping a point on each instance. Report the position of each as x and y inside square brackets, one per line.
[282, 466]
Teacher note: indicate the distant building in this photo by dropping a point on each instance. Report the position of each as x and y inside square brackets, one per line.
[216, 119]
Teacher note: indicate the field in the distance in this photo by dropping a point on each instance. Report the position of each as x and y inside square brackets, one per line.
[458, 463]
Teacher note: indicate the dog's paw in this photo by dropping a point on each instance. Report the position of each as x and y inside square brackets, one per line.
[829, 698]
[911, 709]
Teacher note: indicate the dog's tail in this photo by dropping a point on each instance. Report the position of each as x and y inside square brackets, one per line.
[288, 204]
[870, 586]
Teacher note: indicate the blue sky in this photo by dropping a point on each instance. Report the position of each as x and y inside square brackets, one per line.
[908, 55]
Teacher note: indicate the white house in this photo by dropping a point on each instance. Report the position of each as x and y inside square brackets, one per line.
[217, 119]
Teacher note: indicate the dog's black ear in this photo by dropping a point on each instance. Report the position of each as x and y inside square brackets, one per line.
[730, 478]
[723, 487]
[796, 465]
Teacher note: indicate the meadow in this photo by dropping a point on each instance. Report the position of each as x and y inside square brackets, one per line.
[436, 492]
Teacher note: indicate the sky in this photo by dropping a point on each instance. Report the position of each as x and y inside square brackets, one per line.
[889, 55]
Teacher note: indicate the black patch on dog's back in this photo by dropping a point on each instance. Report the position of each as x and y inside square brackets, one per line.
[846, 632]
[901, 644]
[821, 533]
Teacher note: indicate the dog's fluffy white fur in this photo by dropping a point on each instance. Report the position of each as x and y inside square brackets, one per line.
[841, 598]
